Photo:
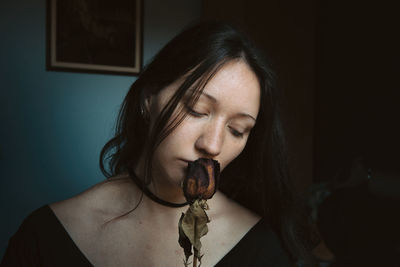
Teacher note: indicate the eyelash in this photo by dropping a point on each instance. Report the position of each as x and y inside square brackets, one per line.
[196, 114]
[236, 133]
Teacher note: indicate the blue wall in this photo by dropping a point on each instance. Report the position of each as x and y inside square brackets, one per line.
[54, 124]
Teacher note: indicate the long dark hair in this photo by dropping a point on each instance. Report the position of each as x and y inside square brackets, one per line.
[258, 178]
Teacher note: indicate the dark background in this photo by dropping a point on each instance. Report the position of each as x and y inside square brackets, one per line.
[338, 63]
[357, 97]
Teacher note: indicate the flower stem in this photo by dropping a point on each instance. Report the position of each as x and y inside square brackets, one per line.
[195, 261]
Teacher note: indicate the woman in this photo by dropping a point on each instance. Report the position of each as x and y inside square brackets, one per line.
[206, 94]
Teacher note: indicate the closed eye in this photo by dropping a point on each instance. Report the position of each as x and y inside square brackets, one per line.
[236, 133]
[193, 112]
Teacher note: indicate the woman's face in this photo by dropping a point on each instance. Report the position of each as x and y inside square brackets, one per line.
[217, 126]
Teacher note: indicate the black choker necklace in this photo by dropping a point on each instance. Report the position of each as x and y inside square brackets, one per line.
[153, 197]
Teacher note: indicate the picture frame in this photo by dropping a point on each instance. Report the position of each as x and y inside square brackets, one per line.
[94, 36]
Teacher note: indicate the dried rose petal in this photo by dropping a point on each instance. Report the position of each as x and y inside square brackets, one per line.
[202, 179]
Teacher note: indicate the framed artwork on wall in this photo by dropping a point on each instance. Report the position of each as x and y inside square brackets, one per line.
[94, 36]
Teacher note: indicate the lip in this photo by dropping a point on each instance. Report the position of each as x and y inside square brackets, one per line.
[186, 161]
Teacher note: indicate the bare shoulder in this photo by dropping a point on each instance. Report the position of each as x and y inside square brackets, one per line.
[104, 200]
[230, 222]
[232, 216]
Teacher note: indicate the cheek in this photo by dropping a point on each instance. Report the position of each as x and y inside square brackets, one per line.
[179, 141]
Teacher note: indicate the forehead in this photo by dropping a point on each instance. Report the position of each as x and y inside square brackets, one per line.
[235, 86]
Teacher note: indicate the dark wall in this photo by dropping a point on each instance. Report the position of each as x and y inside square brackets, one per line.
[357, 96]
[337, 63]
[285, 30]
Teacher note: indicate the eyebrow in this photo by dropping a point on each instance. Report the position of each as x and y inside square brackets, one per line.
[214, 100]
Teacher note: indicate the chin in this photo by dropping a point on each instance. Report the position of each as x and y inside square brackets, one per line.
[173, 175]
[171, 171]
[178, 177]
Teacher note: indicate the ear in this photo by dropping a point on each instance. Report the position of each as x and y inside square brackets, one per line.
[147, 109]
[148, 102]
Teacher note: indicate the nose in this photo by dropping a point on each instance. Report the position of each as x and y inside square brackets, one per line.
[210, 141]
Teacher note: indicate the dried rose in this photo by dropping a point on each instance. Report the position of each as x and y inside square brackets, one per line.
[202, 179]
[200, 184]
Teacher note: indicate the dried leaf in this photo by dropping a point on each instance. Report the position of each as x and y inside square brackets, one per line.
[194, 223]
[184, 241]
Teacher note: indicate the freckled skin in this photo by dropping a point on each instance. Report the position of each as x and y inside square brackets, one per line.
[237, 90]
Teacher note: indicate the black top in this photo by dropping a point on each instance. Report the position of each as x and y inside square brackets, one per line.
[41, 240]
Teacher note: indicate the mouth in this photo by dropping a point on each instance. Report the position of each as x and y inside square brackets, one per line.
[186, 161]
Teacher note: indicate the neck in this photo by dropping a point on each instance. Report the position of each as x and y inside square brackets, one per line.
[167, 192]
